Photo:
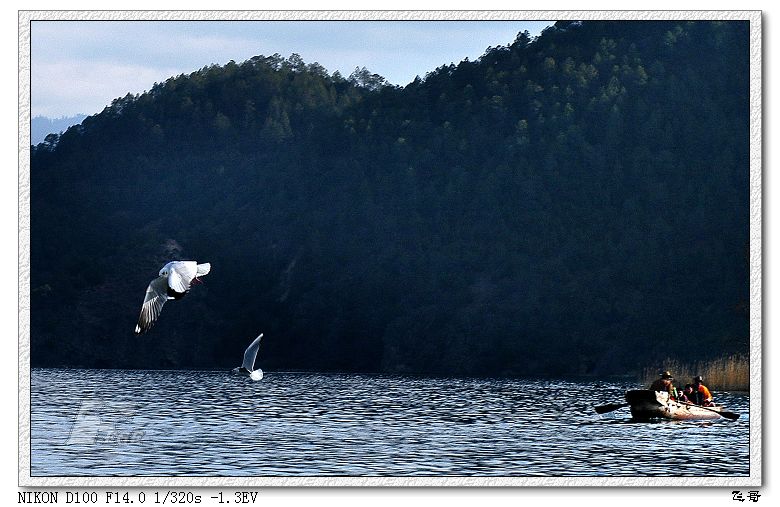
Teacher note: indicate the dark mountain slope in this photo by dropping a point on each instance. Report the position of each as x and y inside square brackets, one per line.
[573, 204]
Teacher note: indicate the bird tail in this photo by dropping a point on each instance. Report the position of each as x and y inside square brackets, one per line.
[203, 269]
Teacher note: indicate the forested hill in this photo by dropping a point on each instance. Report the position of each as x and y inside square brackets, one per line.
[573, 204]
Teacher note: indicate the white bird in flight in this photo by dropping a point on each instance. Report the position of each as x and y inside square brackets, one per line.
[248, 366]
[174, 282]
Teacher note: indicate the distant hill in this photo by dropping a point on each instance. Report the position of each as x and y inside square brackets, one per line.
[573, 204]
[41, 126]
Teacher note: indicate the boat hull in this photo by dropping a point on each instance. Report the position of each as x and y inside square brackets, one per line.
[648, 404]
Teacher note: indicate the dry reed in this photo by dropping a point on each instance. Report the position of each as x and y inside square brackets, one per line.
[727, 373]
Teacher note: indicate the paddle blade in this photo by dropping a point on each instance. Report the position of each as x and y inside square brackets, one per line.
[603, 409]
[729, 415]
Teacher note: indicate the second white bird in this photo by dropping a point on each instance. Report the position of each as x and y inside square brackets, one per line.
[248, 366]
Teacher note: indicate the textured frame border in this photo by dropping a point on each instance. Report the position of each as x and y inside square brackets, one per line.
[756, 291]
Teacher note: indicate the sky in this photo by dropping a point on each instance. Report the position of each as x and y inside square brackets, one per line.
[79, 67]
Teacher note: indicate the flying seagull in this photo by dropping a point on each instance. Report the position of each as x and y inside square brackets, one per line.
[173, 283]
[247, 367]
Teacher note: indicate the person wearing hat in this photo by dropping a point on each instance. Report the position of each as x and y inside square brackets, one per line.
[701, 393]
[664, 384]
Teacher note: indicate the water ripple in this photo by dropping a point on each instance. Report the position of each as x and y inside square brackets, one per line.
[209, 423]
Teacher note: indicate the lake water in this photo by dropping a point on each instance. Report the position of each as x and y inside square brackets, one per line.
[213, 423]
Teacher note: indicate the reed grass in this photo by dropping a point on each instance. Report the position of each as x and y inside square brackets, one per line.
[727, 373]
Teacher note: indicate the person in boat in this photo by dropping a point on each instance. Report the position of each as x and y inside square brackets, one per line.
[686, 395]
[702, 395]
[664, 384]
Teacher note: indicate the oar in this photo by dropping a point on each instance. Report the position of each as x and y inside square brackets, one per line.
[724, 413]
[609, 407]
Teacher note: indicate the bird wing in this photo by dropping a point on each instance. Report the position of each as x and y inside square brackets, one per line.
[181, 275]
[251, 354]
[156, 296]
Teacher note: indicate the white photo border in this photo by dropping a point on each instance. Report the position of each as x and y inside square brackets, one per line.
[756, 358]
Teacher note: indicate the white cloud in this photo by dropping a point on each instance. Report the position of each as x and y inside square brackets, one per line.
[80, 86]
